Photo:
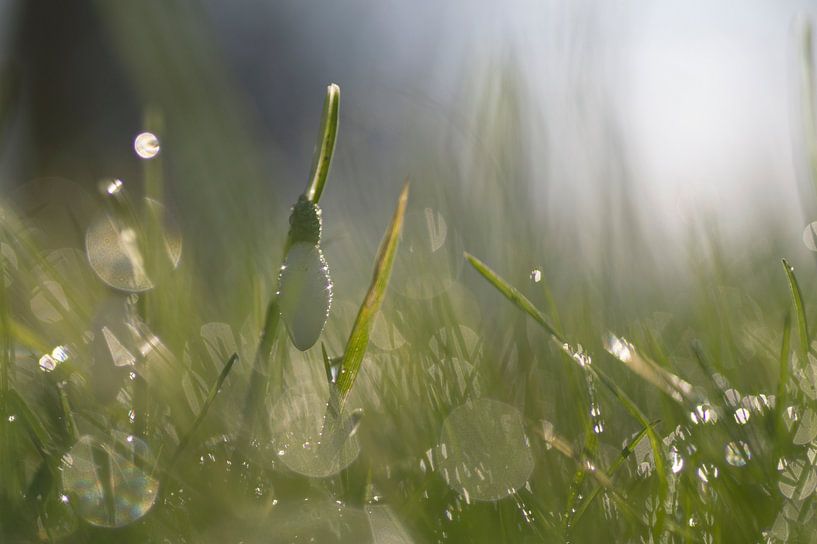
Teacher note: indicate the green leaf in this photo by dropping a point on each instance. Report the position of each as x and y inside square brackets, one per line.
[325, 146]
[799, 311]
[359, 338]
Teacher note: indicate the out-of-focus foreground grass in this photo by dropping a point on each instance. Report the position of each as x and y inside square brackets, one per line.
[676, 404]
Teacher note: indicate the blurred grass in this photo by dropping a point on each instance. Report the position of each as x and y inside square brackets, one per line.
[718, 324]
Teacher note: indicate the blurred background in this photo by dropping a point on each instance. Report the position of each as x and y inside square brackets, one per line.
[616, 120]
[641, 166]
[614, 138]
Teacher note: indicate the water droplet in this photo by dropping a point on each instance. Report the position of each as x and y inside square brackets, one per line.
[738, 453]
[304, 294]
[676, 460]
[110, 481]
[60, 354]
[536, 275]
[12, 418]
[706, 472]
[703, 413]
[115, 249]
[618, 348]
[487, 453]
[112, 186]
[732, 397]
[146, 145]
[578, 354]
[742, 416]
[47, 363]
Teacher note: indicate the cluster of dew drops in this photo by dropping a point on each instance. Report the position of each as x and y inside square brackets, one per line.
[136, 490]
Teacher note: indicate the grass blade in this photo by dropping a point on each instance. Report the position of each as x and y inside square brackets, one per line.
[799, 311]
[514, 295]
[325, 147]
[625, 453]
[359, 337]
[211, 396]
[522, 302]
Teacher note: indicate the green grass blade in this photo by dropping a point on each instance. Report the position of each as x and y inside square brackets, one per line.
[325, 146]
[628, 450]
[359, 338]
[522, 302]
[512, 293]
[211, 396]
[799, 311]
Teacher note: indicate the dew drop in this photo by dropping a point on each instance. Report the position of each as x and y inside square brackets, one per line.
[738, 453]
[110, 480]
[115, 249]
[60, 354]
[48, 363]
[676, 460]
[618, 348]
[146, 145]
[111, 186]
[703, 413]
[742, 416]
[536, 275]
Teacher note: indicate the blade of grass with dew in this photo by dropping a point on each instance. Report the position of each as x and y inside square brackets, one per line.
[628, 450]
[799, 311]
[359, 338]
[325, 146]
[211, 397]
[579, 477]
[513, 294]
[522, 302]
[604, 480]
